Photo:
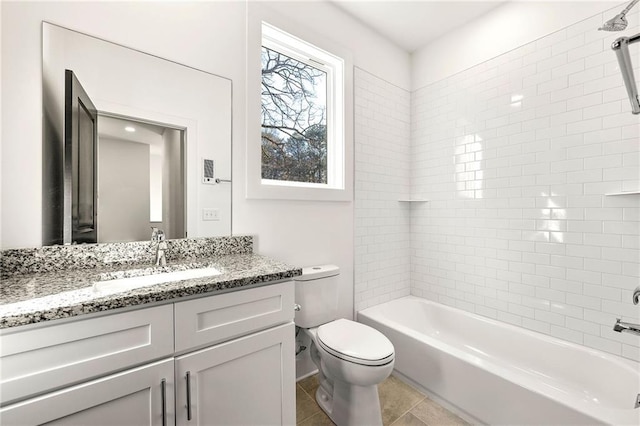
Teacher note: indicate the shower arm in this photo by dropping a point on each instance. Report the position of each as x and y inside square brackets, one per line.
[621, 47]
[629, 6]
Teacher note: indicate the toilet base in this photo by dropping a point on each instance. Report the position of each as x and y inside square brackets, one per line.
[351, 405]
[346, 403]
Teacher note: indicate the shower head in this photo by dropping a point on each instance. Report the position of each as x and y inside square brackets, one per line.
[618, 22]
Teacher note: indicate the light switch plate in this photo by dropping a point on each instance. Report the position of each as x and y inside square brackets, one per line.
[210, 214]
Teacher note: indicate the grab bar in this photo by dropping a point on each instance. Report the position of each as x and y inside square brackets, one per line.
[621, 47]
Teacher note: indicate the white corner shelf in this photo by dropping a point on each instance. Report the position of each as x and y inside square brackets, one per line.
[413, 200]
[613, 194]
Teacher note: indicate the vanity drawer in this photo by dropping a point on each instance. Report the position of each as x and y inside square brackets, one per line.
[213, 319]
[58, 355]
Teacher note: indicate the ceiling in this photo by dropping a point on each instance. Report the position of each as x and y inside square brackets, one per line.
[413, 24]
[114, 128]
[145, 133]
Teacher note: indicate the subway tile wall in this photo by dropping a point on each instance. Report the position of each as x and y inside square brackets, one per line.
[516, 155]
[382, 177]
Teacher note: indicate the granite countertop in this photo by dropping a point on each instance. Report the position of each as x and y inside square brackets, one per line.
[37, 297]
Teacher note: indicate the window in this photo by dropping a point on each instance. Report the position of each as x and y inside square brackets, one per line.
[302, 113]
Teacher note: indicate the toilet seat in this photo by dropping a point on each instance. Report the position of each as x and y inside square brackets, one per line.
[355, 342]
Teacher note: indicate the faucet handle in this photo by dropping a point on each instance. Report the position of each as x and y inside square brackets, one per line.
[636, 295]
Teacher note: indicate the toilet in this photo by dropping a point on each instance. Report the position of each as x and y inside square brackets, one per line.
[352, 358]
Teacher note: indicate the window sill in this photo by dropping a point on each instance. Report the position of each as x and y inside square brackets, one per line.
[285, 192]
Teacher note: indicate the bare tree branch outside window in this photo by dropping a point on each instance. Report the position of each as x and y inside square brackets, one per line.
[294, 124]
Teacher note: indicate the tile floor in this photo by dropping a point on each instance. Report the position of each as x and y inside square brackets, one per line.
[401, 405]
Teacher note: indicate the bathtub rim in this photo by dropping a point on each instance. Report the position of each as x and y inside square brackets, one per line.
[628, 363]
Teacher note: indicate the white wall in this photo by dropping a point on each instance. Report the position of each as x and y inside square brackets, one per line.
[173, 184]
[382, 241]
[123, 190]
[503, 29]
[370, 51]
[207, 35]
[516, 155]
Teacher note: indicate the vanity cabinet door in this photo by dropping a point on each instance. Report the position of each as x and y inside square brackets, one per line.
[247, 381]
[133, 397]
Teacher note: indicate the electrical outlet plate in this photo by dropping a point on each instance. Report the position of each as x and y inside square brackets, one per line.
[210, 214]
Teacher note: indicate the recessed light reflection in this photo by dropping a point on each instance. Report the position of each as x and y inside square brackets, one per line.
[516, 100]
[468, 166]
[130, 129]
[552, 223]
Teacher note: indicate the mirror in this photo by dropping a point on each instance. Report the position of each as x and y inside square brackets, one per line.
[176, 176]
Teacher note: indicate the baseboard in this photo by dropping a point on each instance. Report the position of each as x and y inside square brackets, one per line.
[307, 375]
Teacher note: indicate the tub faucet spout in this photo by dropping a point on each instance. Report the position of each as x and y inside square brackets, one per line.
[636, 295]
[626, 327]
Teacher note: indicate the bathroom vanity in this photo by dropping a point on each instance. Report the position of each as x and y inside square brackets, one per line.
[211, 350]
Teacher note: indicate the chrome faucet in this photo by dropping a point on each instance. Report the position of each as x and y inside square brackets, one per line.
[158, 241]
[626, 327]
[629, 327]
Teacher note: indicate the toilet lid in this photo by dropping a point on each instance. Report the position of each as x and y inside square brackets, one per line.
[355, 342]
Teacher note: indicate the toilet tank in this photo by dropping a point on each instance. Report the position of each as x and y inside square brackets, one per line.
[317, 294]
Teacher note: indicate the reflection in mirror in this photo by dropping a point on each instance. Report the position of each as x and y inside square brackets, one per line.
[192, 108]
[140, 180]
[80, 146]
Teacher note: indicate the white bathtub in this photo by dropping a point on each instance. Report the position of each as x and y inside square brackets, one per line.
[497, 373]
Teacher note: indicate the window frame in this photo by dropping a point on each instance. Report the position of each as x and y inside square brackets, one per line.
[286, 44]
[325, 56]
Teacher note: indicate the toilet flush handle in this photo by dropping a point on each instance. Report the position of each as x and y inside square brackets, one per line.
[296, 307]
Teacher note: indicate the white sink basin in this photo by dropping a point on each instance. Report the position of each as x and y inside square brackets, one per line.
[124, 284]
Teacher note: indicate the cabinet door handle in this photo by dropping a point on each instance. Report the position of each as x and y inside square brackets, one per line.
[163, 392]
[188, 395]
